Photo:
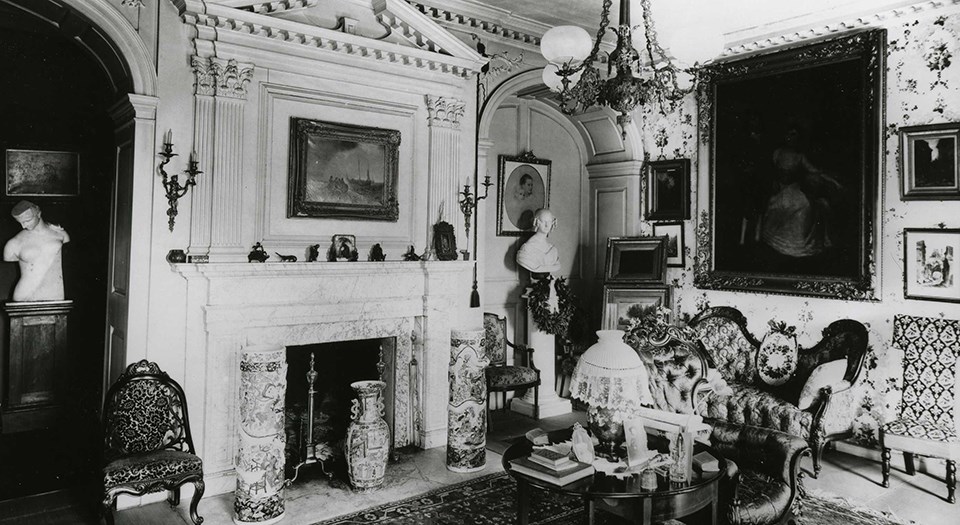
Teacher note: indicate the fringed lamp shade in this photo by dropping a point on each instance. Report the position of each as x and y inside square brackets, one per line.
[610, 375]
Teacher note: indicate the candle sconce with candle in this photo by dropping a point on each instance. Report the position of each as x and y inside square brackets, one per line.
[171, 184]
[468, 202]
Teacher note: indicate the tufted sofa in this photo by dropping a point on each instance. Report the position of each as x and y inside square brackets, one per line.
[732, 349]
[676, 366]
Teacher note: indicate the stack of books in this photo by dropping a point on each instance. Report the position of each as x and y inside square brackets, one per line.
[551, 466]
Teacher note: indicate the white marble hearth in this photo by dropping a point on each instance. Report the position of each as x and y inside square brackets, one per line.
[234, 305]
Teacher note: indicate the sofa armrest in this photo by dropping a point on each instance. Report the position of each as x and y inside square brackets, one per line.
[771, 452]
[840, 403]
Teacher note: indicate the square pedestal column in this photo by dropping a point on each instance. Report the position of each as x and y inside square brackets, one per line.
[545, 358]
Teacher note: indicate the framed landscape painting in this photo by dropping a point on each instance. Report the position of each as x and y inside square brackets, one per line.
[930, 162]
[673, 231]
[621, 302]
[795, 163]
[929, 264]
[36, 173]
[342, 171]
[523, 188]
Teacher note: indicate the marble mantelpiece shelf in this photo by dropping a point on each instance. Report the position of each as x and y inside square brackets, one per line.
[333, 269]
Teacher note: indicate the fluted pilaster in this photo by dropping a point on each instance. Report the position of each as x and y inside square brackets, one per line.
[445, 177]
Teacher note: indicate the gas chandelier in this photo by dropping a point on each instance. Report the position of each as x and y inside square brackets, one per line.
[637, 79]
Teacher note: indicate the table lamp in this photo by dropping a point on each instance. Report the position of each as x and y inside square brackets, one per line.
[612, 380]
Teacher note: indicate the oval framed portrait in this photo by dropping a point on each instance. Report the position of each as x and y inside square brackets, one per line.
[524, 187]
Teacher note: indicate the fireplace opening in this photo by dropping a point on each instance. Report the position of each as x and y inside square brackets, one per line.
[336, 364]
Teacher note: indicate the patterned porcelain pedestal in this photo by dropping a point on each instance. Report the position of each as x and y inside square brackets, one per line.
[466, 411]
[367, 445]
[260, 458]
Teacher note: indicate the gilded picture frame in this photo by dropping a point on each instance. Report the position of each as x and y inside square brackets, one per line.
[636, 260]
[795, 141]
[342, 171]
[668, 190]
[619, 299]
[930, 162]
[523, 187]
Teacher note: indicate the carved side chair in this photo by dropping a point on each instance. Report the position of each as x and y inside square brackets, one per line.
[147, 442]
[502, 377]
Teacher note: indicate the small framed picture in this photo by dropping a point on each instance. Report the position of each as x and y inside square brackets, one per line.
[929, 269]
[621, 302]
[668, 190]
[673, 231]
[343, 248]
[523, 188]
[35, 173]
[929, 168]
[636, 260]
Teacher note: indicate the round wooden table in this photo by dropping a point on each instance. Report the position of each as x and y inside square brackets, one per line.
[624, 496]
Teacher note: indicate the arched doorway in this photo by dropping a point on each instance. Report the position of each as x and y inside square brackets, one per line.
[63, 79]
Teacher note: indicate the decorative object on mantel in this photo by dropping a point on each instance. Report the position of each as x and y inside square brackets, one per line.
[343, 248]
[260, 458]
[466, 410]
[376, 253]
[258, 254]
[410, 254]
[286, 258]
[612, 380]
[367, 444]
[313, 252]
[930, 264]
[171, 184]
[444, 241]
[176, 256]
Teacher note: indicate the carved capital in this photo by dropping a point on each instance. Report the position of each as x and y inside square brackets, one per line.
[203, 71]
[445, 111]
[231, 78]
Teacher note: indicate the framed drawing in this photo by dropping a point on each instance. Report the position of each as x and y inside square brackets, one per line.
[673, 231]
[524, 187]
[668, 190]
[929, 264]
[36, 173]
[929, 162]
[621, 302]
[636, 260]
[342, 171]
[795, 160]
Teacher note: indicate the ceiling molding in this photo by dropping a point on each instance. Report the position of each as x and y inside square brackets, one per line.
[485, 21]
[424, 45]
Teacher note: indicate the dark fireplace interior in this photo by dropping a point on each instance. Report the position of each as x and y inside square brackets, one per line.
[337, 364]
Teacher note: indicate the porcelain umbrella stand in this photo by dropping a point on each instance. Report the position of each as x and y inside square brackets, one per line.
[260, 458]
[466, 413]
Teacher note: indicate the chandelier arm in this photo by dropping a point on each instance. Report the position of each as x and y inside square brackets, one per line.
[604, 23]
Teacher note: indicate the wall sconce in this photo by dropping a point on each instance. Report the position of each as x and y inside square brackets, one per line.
[468, 203]
[171, 184]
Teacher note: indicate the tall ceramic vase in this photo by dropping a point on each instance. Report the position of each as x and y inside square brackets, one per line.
[466, 410]
[367, 446]
[260, 458]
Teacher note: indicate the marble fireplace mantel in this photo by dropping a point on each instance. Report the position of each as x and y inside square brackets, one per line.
[231, 306]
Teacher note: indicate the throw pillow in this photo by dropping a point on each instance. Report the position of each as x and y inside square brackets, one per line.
[829, 373]
[777, 358]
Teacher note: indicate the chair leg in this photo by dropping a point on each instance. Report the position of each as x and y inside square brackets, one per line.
[536, 402]
[197, 494]
[173, 497]
[108, 502]
[951, 481]
[885, 466]
[908, 463]
[818, 445]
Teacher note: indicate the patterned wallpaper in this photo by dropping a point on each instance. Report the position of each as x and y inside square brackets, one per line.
[923, 87]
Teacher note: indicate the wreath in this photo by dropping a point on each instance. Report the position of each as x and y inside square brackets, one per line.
[554, 323]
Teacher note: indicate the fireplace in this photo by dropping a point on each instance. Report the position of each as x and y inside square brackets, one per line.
[334, 366]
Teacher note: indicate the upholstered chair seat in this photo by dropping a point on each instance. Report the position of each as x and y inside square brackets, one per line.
[503, 377]
[508, 375]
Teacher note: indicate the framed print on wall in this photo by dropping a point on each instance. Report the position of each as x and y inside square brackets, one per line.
[929, 264]
[636, 260]
[621, 302]
[929, 162]
[523, 188]
[342, 171]
[795, 163]
[37, 173]
[668, 190]
[673, 231]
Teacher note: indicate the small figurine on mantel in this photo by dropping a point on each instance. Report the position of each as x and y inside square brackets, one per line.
[313, 252]
[537, 254]
[376, 253]
[258, 254]
[411, 254]
[38, 249]
[286, 258]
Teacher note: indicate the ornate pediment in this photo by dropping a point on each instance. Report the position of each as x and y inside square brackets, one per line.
[372, 33]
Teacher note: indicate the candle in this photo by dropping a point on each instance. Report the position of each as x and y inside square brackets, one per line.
[168, 137]
[193, 157]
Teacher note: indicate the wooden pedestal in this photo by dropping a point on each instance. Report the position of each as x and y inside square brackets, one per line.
[36, 365]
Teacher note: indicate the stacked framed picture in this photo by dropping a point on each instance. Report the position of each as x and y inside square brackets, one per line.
[634, 279]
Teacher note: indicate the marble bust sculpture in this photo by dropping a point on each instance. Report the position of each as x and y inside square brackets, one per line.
[537, 254]
[38, 250]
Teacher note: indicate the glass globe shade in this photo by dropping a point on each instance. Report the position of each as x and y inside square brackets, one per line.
[554, 81]
[566, 45]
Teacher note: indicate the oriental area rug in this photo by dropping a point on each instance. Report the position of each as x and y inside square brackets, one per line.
[491, 500]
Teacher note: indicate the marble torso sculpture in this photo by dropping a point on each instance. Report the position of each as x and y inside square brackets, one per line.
[38, 250]
[537, 254]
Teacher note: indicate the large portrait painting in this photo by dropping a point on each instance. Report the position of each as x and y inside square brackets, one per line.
[795, 142]
[342, 171]
[523, 188]
[36, 173]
